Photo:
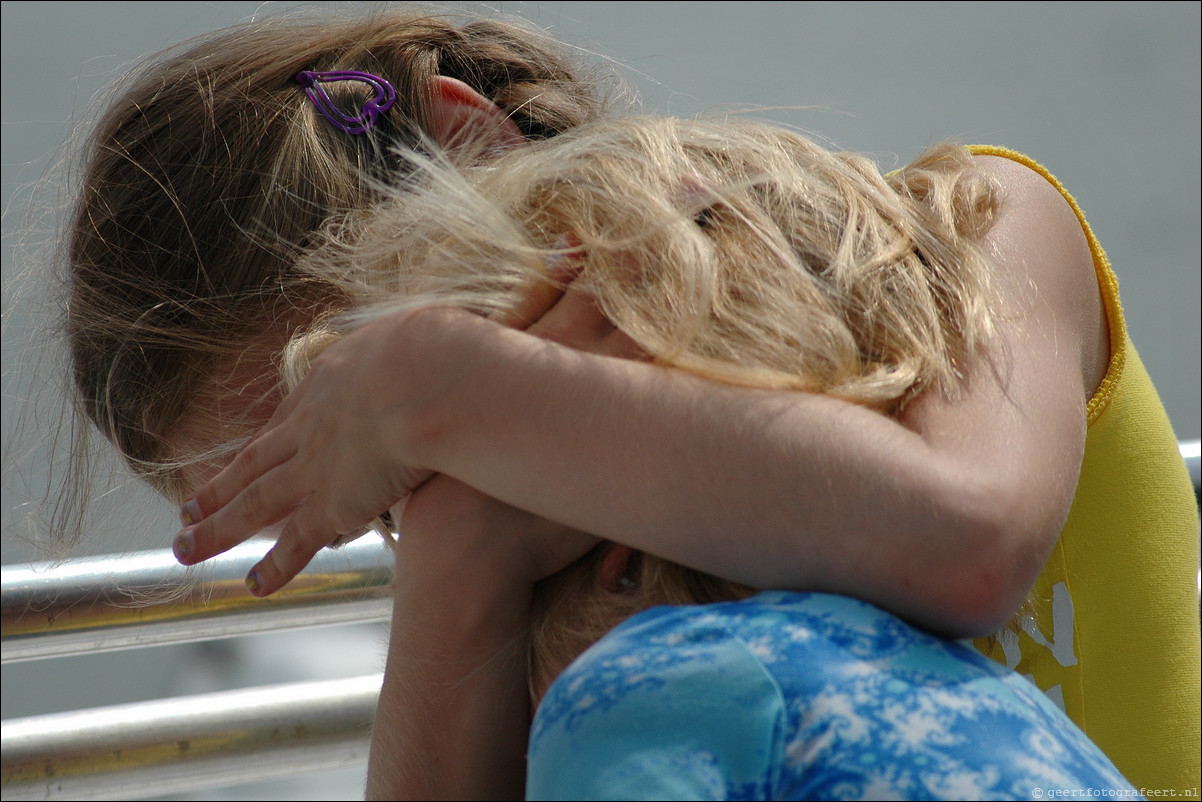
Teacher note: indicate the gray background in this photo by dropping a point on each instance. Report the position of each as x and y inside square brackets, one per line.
[1105, 94]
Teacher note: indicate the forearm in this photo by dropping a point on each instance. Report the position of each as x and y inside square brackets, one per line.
[817, 494]
[453, 716]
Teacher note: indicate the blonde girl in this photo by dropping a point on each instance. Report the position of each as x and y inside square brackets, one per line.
[720, 249]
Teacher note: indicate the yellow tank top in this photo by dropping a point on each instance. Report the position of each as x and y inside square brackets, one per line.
[1114, 633]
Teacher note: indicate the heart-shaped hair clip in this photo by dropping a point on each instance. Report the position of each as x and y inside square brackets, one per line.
[383, 100]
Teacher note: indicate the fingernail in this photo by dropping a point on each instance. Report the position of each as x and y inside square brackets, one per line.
[184, 544]
[189, 513]
[252, 581]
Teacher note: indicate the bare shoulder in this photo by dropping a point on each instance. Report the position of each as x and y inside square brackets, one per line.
[1047, 271]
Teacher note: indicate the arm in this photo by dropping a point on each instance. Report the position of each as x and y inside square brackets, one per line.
[944, 516]
[454, 711]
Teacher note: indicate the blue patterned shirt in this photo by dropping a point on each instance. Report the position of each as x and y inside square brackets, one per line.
[801, 696]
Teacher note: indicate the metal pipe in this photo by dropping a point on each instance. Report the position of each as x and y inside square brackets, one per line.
[147, 599]
[191, 742]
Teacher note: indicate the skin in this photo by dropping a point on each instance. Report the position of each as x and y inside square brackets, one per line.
[441, 640]
[520, 445]
[818, 486]
[454, 709]
[455, 706]
[506, 414]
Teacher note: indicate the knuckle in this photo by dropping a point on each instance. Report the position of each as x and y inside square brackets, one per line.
[289, 551]
[245, 464]
[253, 503]
[292, 554]
[304, 541]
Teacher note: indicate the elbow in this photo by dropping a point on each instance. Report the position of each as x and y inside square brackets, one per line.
[989, 572]
[982, 600]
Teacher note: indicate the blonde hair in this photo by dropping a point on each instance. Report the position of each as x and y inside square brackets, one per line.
[218, 215]
[209, 173]
[734, 250]
[738, 251]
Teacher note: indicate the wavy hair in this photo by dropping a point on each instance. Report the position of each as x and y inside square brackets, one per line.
[735, 250]
[205, 176]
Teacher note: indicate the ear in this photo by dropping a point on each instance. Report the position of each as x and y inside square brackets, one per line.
[613, 567]
[462, 118]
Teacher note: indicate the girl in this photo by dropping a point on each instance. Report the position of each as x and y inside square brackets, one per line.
[222, 146]
[710, 245]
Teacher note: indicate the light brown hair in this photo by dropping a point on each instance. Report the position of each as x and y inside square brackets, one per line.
[209, 172]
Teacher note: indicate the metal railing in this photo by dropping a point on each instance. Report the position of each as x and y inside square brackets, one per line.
[189, 742]
[192, 742]
[129, 601]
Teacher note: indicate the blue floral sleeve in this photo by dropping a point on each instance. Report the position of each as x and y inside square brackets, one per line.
[652, 716]
[801, 696]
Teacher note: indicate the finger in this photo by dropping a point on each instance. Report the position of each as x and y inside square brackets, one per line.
[575, 321]
[265, 502]
[263, 454]
[619, 344]
[535, 299]
[565, 261]
[304, 535]
[192, 546]
[563, 264]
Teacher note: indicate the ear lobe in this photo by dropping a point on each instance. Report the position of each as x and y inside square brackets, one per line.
[461, 118]
[614, 567]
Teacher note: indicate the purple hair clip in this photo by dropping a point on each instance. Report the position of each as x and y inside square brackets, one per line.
[372, 109]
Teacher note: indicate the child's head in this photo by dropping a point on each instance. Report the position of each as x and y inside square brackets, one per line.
[734, 250]
[577, 606]
[211, 171]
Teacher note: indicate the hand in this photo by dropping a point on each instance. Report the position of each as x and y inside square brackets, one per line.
[565, 312]
[333, 456]
[327, 463]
